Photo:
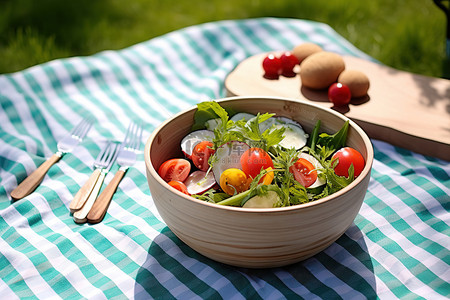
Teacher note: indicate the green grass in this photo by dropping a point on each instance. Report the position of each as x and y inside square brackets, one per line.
[405, 34]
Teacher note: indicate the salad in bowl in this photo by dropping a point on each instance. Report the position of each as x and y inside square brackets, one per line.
[259, 160]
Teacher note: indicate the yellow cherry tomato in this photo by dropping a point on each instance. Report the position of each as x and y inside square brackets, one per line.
[234, 181]
[267, 179]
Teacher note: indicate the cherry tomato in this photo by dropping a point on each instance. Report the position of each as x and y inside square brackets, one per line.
[179, 186]
[201, 153]
[339, 94]
[234, 181]
[272, 66]
[346, 157]
[304, 172]
[175, 169]
[288, 62]
[255, 159]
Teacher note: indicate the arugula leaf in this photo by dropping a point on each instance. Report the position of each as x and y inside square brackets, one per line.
[273, 137]
[222, 133]
[328, 144]
[212, 195]
[251, 132]
[297, 193]
[208, 110]
[334, 182]
[293, 192]
[314, 136]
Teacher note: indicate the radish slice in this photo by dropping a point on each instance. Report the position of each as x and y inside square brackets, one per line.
[189, 142]
[228, 156]
[199, 182]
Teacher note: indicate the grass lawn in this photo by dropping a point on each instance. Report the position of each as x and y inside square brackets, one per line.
[404, 34]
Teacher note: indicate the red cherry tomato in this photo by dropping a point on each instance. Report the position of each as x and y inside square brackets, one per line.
[179, 186]
[339, 94]
[346, 157]
[304, 172]
[175, 169]
[288, 62]
[201, 153]
[272, 66]
[255, 159]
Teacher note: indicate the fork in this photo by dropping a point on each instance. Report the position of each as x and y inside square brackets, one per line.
[125, 159]
[66, 145]
[103, 160]
[80, 215]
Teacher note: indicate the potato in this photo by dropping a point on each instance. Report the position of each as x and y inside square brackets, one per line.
[357, 82]
[304, 50]
[321, 69]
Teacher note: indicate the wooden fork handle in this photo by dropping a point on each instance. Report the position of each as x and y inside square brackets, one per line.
[80, 216]
[30, 183]
[82, 195]
[98, 210]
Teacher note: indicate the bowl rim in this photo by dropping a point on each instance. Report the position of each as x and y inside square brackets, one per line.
[365, 172]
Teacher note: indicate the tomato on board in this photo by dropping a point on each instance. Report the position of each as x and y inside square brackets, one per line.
[179, 186]
[255, 159]
[304, 172]
[346, 157]
[339, 94]
[201, 153]
[234, 181]
[272, 66]
[288, 63]
[175, 169]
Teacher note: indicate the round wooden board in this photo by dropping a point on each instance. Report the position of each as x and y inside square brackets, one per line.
[407, 110]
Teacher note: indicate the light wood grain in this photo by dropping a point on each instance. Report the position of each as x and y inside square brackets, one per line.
[407, 110]
[30, 183]
[83, 194]
[98, 210]
[257, 238]
[80, 216]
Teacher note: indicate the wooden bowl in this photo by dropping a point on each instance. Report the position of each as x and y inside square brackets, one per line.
[257, 238]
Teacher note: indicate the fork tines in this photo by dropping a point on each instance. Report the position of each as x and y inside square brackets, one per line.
[107, 153]
[133, 136]
[82, 128]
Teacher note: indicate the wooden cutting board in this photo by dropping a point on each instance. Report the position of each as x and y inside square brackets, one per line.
[404, 109]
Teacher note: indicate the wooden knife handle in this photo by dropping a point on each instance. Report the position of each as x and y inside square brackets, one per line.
[30, 183]
[82, 195]
[98, 210]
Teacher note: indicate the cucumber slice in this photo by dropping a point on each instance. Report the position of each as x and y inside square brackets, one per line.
[294, 136]
[242, 116]
[270, 200]
[277, 121]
